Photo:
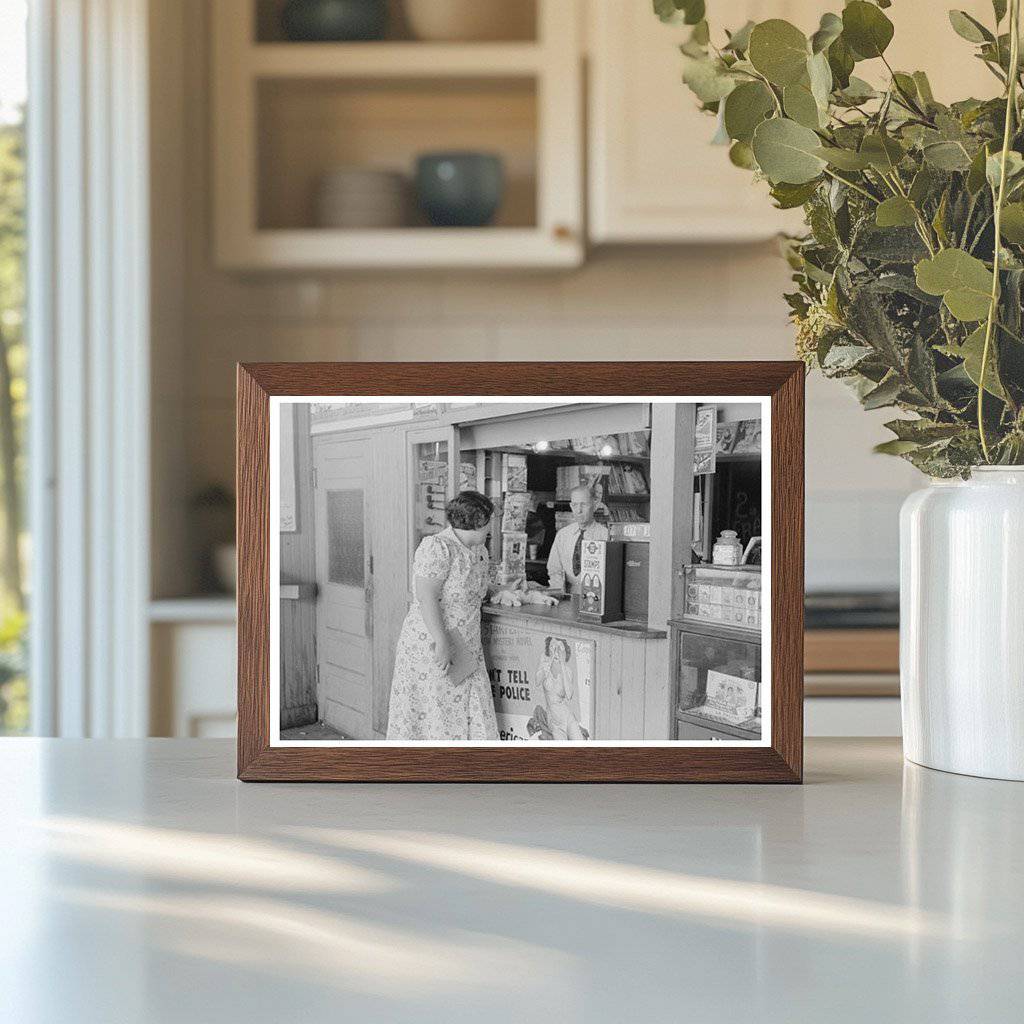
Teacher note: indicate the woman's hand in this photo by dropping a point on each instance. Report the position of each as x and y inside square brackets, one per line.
[508, 598]
[442, 652]
[536, 597]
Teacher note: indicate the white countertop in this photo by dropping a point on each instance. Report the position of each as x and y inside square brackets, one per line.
[140, 882]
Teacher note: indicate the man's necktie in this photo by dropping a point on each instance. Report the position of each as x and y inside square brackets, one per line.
[577, 554]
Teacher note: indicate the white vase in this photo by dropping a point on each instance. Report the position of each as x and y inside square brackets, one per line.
[962, 624]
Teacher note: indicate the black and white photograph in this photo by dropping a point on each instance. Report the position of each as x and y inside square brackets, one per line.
[522, 570]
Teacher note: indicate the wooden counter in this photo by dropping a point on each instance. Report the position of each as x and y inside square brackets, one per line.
[563, 615]
[628, 696]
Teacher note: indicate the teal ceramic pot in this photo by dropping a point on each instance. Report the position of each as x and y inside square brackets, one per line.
[334, 21]
[460, 189]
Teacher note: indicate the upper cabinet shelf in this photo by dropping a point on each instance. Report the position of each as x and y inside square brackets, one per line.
[315, 145]
[394, 60]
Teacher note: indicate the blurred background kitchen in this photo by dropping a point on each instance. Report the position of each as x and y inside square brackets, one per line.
[439, 179]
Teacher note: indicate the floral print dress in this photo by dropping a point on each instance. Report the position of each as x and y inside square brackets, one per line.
[425, 703]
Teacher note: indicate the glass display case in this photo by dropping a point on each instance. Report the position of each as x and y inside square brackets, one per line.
[727, 595]
[717, 675]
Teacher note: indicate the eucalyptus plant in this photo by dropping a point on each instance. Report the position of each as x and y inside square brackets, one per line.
[910, 277]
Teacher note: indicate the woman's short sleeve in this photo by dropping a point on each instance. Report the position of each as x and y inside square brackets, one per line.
[432, 561]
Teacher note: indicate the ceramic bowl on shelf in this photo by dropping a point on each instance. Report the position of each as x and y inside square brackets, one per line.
[362, 197]
[460, 189]
[470, 20]
[334, 21]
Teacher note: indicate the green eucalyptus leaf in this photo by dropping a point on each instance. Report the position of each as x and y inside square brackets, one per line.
[884, 394]
[841, 62]
[969, 28]
[895, 447]
[939, 220]
[741, 155]
[819, 75]
[745, 108]
[976, 173]
[844, 159]
[787, 152]
[666, 10]
[779, 51]
[829, 30]
[963, 281]
[707, 78]
[801, 106]
[883, 152]
[739, 41]
[889, 246]
[693, 10]
[921, 370]
[866, 29]
[922, 185]
[947, 156]
[1011, 226]
[701, 34]
[923, 431]
[993, 167]
[895, 212]
[971, 351]
[788, 196]
[924, 88]
[857, 91]
[689, 12]
[906, 84]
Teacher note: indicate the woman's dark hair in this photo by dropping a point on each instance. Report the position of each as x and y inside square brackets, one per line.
[469, 510]
[549, 640]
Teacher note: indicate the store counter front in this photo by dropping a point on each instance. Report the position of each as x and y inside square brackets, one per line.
[555, 676]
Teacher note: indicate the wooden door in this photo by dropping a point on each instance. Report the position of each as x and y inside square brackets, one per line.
[344, 573]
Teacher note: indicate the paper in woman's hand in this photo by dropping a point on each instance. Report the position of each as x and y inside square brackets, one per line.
[464, 661]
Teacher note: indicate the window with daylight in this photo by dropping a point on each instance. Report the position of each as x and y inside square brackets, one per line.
[14, 547]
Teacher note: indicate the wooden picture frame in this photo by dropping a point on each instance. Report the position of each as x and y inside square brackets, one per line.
[780, 759]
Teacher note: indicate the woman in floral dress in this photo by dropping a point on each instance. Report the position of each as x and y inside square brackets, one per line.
[442, 632]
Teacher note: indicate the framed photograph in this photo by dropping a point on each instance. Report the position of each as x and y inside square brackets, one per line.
[520, 572]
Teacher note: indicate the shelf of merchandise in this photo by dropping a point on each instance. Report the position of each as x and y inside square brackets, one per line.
[280, 120]
[569, 455]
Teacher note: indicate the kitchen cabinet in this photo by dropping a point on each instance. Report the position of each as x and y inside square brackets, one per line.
[287, 114]
[653, 175]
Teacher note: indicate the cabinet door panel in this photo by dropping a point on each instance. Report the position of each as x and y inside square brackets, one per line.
[654, 175]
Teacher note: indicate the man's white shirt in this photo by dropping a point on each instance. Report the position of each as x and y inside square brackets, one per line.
[560, 556]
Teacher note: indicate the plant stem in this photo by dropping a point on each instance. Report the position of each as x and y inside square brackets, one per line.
[1011, 108]
[853, 185]
[907, 99]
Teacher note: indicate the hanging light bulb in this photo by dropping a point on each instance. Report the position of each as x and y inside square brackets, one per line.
[606, 450]
[541, 446]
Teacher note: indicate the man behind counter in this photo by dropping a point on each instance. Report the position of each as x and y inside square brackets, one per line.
[566, 551]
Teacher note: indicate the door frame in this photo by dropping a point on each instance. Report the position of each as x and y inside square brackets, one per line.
[369, 589]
